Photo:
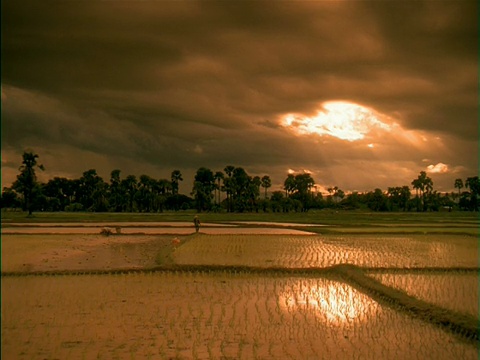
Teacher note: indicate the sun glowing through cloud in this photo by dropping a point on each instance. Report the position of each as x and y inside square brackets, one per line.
[341, 119]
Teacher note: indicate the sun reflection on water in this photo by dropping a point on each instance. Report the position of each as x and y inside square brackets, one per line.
[337, 303]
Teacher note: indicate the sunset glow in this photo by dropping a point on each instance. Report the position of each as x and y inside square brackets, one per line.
[349, 99]
[343, 120]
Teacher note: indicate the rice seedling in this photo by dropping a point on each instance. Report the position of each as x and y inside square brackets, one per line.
[457, 291]
[216, 297]
[228, 315]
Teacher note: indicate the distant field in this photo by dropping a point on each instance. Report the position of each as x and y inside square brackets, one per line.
[414, 251]
[76, 252]
[342, 221]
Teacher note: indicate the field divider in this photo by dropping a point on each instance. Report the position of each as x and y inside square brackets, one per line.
[463, 326]
[280, 270]
[305, 271]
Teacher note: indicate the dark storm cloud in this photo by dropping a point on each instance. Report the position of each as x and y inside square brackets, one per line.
[176, 84]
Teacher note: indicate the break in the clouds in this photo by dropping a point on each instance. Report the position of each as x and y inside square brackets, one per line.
[357, 92]
[343, 120]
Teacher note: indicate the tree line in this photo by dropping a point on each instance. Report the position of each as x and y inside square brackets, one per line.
[241, 193]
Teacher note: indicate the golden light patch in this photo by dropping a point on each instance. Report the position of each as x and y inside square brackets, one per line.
[340, 119]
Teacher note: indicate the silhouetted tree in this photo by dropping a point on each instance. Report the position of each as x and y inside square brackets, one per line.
[218, 177]
[398, 197]
[240, 183]
[424, 184]
[377, 201]
[227, 186]
[26, 182]
[473, 183]
[58, 192]
[115, 196]
[176, 177]
[129, 188]
[289, 184]
[203, 187]
[9, 199]
[266, 183]
[458, 185]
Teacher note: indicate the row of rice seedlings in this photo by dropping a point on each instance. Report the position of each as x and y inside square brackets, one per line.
[455, 291]
[207, 316]
[291, 251]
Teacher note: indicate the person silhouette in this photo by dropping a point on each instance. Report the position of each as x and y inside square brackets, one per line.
[196, 222]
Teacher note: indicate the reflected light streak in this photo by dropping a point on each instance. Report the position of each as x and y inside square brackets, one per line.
[339, 304]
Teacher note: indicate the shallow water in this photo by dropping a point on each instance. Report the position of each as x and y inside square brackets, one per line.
[324, 251]
[150, 230]
[451, 290]
[209, 316]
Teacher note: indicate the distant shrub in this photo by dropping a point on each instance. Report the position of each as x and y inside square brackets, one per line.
[75, 207]
[106, 231]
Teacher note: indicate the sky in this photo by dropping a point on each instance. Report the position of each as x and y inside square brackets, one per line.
[360, 94]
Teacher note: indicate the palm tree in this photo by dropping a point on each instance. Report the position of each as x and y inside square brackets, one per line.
[254, 191]
[203, 186]
[458, 185]
[115, 196]
[473, 183]
[266, 183]
[239, 186]
[227, 185]
[289, 184]
[27, 179]
[145, 193]
[229, 170]
[176, 177]
[165, 186]
[91, 191]
[424, 184]
[218, 176]
[129, 188]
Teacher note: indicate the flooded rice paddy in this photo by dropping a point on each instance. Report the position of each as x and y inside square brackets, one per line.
[239, 296]
[151, 228]
[457, 291]
[209, 316]
[324, 251]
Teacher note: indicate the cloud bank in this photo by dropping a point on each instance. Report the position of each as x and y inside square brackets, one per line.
[149, 87]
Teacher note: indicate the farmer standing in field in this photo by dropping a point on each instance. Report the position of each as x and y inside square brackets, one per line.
[196, 222]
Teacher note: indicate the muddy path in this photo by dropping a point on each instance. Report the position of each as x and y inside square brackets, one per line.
[91, 252]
